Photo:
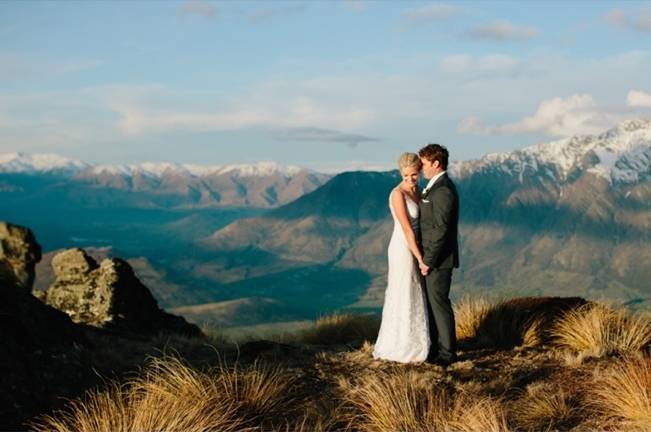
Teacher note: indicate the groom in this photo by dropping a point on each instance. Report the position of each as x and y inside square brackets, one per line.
[439, 217]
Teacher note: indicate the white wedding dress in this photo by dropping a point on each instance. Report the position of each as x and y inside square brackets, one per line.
[404, 334]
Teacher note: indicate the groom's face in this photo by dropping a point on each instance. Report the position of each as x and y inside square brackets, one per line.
[430, 169]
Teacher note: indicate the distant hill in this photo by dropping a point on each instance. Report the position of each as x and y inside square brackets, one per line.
[318, 227]
[244, 311]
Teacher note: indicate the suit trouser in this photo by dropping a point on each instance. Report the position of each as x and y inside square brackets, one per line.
[441, 315]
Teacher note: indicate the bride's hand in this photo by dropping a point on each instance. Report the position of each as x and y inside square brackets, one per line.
[424, 268]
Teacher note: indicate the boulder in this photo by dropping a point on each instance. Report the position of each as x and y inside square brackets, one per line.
[19, 254]
[108, 295]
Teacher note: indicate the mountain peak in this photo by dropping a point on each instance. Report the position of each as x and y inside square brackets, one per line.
[633, 125]
[620, 155]
[263, 168]
[20, 162]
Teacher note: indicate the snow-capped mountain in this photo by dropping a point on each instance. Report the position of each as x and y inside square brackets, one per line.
[156, 184]
[621, 155]
[19, 162]
[25, 163]
[158, 169]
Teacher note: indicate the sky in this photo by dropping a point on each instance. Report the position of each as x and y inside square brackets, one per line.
[329, 85]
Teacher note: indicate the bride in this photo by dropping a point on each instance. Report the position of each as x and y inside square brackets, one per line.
[404, 335]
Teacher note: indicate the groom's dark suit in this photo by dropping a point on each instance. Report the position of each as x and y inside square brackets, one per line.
[439, 219]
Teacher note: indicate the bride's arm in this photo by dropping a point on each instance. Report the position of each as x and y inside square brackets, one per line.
[400, 207]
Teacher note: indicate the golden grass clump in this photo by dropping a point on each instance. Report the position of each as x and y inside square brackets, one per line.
[172, 396]
[597, 330]
[469, 313]
[533, 333]
[621, 395]
[259, 391]
[341, 328]
[502, 325]
[319, 416]
[403, 402]
[544, 407]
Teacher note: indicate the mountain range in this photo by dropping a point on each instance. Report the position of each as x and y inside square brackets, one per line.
[155, 184]
[570, 217]
[567, 217]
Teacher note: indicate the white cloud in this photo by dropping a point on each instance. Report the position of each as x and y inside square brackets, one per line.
[197, 7]
[488, 66]
[339, 167]
[155, 109]
[320, 135]
[23, 66]
[411, 99]
[471, 125]
[503, 31]
[265, 13]
[358, 5]
[576, 114]
[638, 98]
[633, 20]
[72, 66]
[429, 13]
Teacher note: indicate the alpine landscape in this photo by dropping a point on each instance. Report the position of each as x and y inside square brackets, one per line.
[307, 273]
[246, 216]
[233, 246]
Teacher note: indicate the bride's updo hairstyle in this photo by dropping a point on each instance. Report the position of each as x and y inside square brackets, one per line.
[408, 160]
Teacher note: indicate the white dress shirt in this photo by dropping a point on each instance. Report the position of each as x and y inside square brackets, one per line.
[431, 182]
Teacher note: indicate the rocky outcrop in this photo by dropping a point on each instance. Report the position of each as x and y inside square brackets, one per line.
[41, 349]
[108, 295]
[19, 254]
[24, 318]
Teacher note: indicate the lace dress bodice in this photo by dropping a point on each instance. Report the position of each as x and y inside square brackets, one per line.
[413, 212]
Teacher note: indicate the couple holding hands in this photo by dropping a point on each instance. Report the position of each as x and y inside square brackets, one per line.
[417, 317]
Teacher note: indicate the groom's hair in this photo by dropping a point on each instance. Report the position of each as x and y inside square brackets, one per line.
[435, 152]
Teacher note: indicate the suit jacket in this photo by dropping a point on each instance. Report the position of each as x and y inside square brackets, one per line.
[439, 220]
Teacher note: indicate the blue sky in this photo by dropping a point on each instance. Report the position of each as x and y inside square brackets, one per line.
[329, 85]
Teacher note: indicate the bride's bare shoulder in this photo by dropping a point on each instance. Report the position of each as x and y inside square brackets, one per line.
[397, 196]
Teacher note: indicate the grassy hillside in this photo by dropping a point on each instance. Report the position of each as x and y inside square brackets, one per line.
[525, 364]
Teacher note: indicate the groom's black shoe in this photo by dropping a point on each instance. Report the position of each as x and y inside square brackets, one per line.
[431, 359]
[443, 361]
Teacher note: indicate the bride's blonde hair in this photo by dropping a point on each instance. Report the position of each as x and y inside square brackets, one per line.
[408, 160]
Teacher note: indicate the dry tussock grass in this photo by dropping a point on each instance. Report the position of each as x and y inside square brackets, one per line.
[401, 401]
[534, 333]
[498, 324]
[469, 313]
[622, 395]
[341, 328]
[172, 396]
[545, 406]
[597, 329]
[323, 416]
[260, 392]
